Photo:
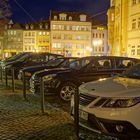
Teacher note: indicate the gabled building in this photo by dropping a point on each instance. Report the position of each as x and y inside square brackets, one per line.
[36, 37]
[13, 39]
[70, 33]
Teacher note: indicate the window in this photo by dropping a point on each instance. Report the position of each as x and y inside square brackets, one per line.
[83, 17]
[68, 36]
[133, 2]
[138, 50]
[112, 17]
[56, 45]
[134, 24]
[79, 46]
[70, 18]
[139, 23]
[103, 64]
[123, 63]
[57, 36]
[68, 46]
[55, 17]
[103, 35]
[93, 35]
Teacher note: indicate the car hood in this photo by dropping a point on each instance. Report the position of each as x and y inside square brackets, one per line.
[51, 71]
[112, 87]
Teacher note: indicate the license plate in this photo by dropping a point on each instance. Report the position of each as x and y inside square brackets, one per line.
[83, 115]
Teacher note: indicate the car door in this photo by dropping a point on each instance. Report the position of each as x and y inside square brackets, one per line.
[122, 64]
[101, 67]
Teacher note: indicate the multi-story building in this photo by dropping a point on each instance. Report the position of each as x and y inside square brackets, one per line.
[70, 33]
[99, 41]
[36, 37]
[124, 27]
[13, 39]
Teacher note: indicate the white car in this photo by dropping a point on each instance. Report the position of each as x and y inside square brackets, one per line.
[112, 106]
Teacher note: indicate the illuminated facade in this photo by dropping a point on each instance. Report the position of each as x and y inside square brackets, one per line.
[99, 41]
[70, 34]
[13, 39]
[124, 28]
[36, 37]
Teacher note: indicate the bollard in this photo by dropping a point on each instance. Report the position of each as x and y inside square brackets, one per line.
[6, 78]
[24, 86]
[1, 74]
[42, 95]
[13, 79]
[76, 112]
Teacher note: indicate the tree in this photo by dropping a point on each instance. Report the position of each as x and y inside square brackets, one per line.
[4, 9]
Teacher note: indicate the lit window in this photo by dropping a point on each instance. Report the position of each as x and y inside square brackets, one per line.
[112, 17]
[134, 24]
[139, 23]
[44, 33]
[133, 2]
[70, 18]
[40, 33]
[55, 17]
[56, 45]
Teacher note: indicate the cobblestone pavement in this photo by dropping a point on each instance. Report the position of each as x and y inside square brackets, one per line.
[22, 120]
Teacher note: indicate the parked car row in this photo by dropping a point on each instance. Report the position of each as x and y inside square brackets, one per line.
[109, 88]
[64, 81]
[22, 60]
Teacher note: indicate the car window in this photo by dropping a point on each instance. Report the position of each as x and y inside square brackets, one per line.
[124, 63]
[103, 64]
[36, 58]
[78, 64]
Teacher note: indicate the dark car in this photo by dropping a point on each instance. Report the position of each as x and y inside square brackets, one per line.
[28, 60]
[5, 61]
[59, 62]
[66, 80]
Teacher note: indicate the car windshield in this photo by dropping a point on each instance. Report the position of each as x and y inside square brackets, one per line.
[55, 62]
[78, 64]
[15, 57]
[133, 72]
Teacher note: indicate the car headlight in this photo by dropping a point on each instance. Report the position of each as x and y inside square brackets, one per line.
[121, 103]
[49, 77]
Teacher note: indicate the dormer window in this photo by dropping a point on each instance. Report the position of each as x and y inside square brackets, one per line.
[46, 26]
[70, 18]
[62, 16]
[31, 26]
[83, 17]
[55, 17]
[27, 27]
[40, 26]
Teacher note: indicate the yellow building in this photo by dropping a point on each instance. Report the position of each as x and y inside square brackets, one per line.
[70, 34]
[36, 37]
[124, 28]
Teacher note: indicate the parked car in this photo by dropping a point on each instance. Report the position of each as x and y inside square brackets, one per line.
[65, 81]
[55, 63]
[28, 60]
[4, 62]
[111, 106]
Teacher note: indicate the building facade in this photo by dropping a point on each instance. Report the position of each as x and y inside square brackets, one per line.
[13, 39]
[70, 34]
[36, 37]
[124, 28]
[100, 41]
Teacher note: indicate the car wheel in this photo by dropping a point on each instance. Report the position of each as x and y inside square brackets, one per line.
[67, 90]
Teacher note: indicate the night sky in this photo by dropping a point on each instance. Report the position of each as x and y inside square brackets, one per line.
[40, 9]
